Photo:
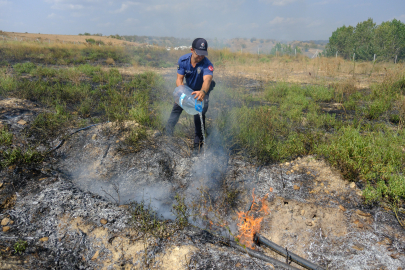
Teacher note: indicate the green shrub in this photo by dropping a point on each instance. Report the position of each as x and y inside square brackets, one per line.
[7, 83]
[19, 156]
[6, 137]
[20, 246]
[24, 67]
[376, 158]
[320, 93]
[90, 40]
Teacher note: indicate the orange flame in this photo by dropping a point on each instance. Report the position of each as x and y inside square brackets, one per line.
[265, 207]
[249, 224]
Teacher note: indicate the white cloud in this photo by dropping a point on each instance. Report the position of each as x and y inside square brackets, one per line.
[125, 6]
[75, 4]
[288, 22]
[279, 2]
[131, 20]
[284, 21]
[107, 24]
[52, 15]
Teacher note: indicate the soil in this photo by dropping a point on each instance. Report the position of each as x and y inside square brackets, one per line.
[74, 210]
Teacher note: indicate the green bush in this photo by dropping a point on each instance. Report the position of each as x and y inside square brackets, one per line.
[5, 137]
[19, 156]
[24, 67]
[376, 158]
[20, 246]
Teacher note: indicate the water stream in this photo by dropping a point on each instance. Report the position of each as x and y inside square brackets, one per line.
[203, 132]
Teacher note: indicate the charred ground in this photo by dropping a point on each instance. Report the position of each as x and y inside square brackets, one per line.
[89, 180]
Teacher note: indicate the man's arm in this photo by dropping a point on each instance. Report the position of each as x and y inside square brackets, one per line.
[180, 79]
[204, 89]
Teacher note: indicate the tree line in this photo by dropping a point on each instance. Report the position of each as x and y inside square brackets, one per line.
[386, 41]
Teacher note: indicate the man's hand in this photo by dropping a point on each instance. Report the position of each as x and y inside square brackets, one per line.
[199, 95]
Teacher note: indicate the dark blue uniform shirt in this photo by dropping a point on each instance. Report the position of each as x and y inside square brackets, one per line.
[194, 75]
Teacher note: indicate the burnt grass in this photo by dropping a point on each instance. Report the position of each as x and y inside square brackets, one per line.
[38, 183]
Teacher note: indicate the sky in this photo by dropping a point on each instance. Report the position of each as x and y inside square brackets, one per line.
[267, 19]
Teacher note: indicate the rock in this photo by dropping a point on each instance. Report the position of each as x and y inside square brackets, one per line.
[363, 214]
[358, 223]
[1, 185]
[103, 221]
[22, 122]
[156, 134]
[94, 137]
[352, 185]
[309, 223]
[358, 247]
[395, 256]
[302, 212]
[95, 256]
[287, 164]
[5, 221]
[117, 141]
[327, 191]
[295, 187]
[359, 193]
[342, 208]
[386, 241]
[6, 228]
[44, 239]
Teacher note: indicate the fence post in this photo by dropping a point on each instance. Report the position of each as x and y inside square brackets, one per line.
[336, 53]
[374, 57]
[276, 51]
[396, 58]
[295, 51]
[354, 54]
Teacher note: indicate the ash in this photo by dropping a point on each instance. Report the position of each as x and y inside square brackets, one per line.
[74, 212]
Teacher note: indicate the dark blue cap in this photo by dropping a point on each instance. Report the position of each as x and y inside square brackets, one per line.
[200, 46]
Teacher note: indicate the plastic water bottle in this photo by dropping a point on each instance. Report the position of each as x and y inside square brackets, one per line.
[182, 96]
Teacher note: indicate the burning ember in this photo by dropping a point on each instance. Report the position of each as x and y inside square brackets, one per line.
[250, 221]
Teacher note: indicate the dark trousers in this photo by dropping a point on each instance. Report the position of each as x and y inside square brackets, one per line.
[175, 115]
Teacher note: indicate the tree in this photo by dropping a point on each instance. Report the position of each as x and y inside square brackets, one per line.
[363, 40]
[341, 41]
[366, 39]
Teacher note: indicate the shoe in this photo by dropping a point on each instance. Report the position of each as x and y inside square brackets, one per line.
[168, 132]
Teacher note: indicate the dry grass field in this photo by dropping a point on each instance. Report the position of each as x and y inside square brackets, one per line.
[304, 70]
[66, 38]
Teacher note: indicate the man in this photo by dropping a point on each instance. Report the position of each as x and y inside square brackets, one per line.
[198, 71]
